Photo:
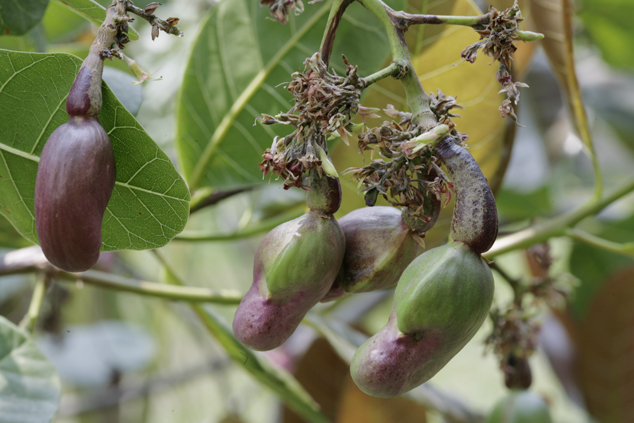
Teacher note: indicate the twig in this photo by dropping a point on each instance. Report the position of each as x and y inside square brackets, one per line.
[30, 319]
[168, 26]
[336, 12]
[417, 99]
[625, 249]
[394, 69]
[514, 283]
[261, 227]
[555, 227]
[31, 259]
[214, 198]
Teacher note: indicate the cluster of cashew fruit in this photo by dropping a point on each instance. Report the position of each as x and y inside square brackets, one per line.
[442, 296]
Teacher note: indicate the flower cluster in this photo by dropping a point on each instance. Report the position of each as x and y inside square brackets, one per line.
[410, 175]
[515, 330]
[325, 103]
[497, 41]
[280, 9]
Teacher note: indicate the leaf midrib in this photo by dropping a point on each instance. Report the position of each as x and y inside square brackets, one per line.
[36, 159]
[239, 104]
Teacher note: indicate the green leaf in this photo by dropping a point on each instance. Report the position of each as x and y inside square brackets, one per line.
[150, 201]
[29, 387]
[61, 24]
[238, 60]
[92, 11]
[608, 22]
[17, 17]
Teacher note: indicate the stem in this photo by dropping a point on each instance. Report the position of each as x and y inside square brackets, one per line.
[554, 227]
[31, 259]
[264, 226]
[206, 199]
[336, 12]
[626, 249]
[394, 69]
[30, 319]
[152, 289]
[514, 283]
[282, 383]
[153, 19]
[417, 99]
[404, 20]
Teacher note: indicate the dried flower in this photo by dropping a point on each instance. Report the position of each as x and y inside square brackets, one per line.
[280, 9]
[151, 7]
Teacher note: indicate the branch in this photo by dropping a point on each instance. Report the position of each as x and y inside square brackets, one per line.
[405, 20]
[555, 227]
[327, 41]
[206, 199]
[625, 249]
[31, 259]
[261, 227]
[394, 69]
[417, 99]
[168, 26]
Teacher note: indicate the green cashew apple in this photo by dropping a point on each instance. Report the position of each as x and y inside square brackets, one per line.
[440, 302]
[295, 265]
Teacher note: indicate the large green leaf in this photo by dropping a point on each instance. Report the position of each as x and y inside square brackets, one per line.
[29, 386]
[92, 11]
[17, 17]
[150, 201]
[238, 59]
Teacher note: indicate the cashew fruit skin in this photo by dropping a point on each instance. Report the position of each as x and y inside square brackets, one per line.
[448, 289]
[520, 407]
[475, 218]
[440, 302]
[75, 178]
[295, 265]
[378, 248]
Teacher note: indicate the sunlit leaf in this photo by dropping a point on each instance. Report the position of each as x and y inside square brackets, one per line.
[150, 201]
[29, 386]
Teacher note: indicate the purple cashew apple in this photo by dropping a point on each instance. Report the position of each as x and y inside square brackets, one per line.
[440, 302]
[378, 248]
[295, 265]
[76, 176]
[74, 182]
[475, 218]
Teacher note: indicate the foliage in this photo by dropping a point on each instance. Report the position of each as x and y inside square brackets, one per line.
[239, 68]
